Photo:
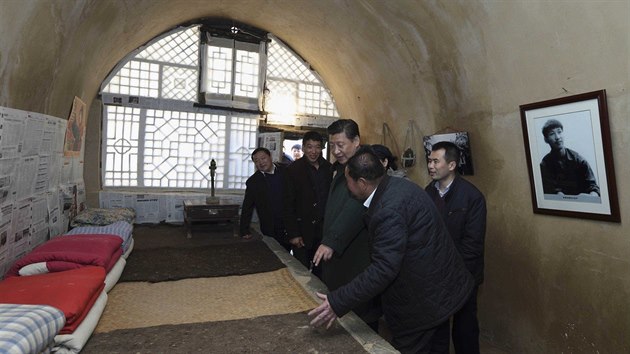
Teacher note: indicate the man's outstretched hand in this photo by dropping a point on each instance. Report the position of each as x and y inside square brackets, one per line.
[322, 314]
[323, 253]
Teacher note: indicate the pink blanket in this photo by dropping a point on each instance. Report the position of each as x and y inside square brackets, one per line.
[71, 252]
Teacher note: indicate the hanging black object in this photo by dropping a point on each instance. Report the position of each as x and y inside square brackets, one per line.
[408, 158]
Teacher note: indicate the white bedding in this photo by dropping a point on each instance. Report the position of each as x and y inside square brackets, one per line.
[74, 342]
[114, 274]
[129, 248]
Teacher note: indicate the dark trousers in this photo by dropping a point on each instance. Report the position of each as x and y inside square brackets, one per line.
[430, 341]
[305, 256]
[466, 327]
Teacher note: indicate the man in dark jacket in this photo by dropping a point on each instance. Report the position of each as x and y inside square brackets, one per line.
[308, 181]
[264, 192]
[463, 209]
[415, 266]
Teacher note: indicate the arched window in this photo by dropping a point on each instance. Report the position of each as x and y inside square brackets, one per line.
[199, 93]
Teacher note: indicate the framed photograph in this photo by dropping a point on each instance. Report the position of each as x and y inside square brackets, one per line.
[463, 143]
[569, 157]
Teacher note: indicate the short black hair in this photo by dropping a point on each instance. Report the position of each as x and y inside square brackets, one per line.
[347, 126]
[550, 125]
[314, 136]
[257, 150]
[365, 164]
[451, 151]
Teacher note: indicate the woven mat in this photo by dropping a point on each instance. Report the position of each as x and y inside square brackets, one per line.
[134, 305]
[288, 333]
[173, 263]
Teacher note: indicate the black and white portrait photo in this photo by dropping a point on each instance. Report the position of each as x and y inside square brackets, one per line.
[568, 150]
[568, 154]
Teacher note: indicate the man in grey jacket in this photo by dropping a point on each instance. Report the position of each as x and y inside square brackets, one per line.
[415, 267]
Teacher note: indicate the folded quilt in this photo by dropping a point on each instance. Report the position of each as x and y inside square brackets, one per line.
[72, 291]
[29, 328]
[70, 252]
[121, 229]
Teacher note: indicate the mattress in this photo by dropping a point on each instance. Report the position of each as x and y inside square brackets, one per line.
[129, 248]
[121, 229]
[28, 328]
[114, 274]
[73, 342]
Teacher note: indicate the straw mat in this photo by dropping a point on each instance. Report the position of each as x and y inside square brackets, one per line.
[141, 304]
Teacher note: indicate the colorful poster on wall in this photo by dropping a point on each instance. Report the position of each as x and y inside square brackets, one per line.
[75, 132]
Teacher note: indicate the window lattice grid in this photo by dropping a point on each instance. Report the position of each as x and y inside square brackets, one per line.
[136, 78]
[179, 48]
[281, 63]
[241, 143]
[179, 83]
[179, 147]
[219, 71]
[121, 146]
[246, 74]
[293, 87]
[316, 100]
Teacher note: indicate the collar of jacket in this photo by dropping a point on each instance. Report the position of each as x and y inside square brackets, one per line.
[380, 190]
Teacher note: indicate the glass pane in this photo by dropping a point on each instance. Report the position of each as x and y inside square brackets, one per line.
[246, 74]
[121, 146]
[179, 83]
[180, 48]
[130, 83]
[180, 146]
[219, 71]
[294, 89]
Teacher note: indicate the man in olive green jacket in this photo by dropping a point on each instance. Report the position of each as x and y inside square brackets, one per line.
[345, 250]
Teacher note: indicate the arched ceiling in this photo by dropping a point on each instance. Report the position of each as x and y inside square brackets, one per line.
[384, 61]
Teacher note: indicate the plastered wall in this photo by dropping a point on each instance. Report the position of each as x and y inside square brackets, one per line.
[553, 284]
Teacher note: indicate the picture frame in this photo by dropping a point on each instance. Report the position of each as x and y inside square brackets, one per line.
[459, 138]
[569, 157]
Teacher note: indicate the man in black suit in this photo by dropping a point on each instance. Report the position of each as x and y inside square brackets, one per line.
[463, 209]
[308, 181]
[264, 192]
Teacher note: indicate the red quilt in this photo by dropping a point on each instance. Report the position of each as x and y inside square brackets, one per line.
[71, 252]
[72, 291]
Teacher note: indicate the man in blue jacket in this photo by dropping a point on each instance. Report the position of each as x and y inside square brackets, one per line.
[415, 266]
[463, 209]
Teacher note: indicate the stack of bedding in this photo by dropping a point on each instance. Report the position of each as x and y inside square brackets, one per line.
[122, 229]
[72, 252]
[29, 328]
[53, 297]
[78, 293]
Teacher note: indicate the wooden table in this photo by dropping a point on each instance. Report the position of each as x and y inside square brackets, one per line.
[199, 212]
